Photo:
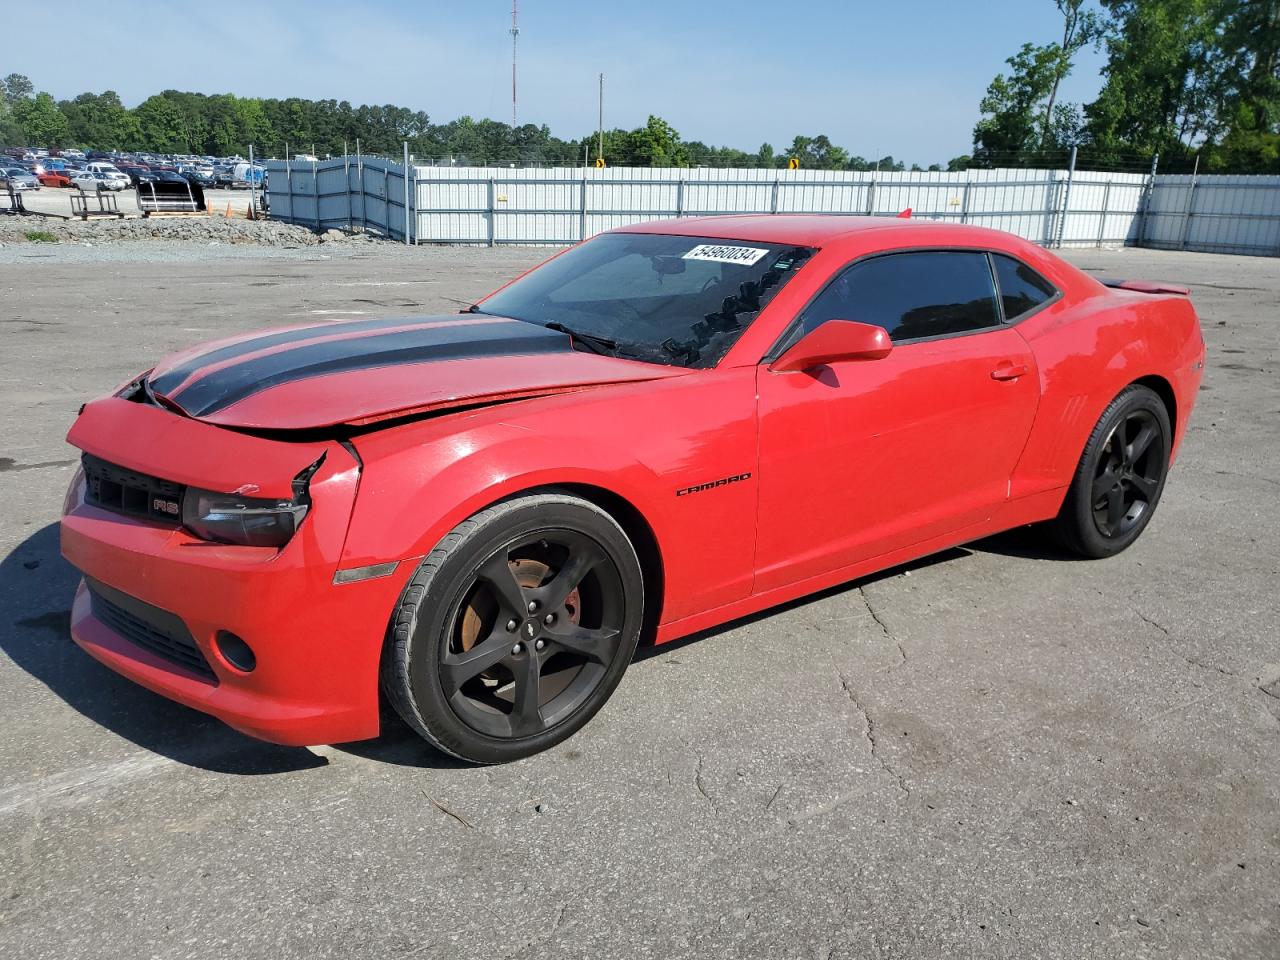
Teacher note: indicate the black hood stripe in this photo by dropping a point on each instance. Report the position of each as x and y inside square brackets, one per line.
[231, 384]
[172, 378]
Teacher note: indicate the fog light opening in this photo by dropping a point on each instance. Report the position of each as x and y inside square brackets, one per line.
[235, 651]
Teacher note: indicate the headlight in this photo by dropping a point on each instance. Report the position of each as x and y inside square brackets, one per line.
[248, 521]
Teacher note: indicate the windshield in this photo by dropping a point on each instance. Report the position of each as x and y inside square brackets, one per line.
[680, 301]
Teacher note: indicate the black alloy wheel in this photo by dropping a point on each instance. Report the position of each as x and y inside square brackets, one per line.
[1120, 477]
[533, 635]
[516, 629]
[1128, 477]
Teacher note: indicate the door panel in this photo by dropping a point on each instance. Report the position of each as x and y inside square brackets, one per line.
[860, 458]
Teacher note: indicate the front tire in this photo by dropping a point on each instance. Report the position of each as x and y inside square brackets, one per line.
[516, 629]
[1120, 478]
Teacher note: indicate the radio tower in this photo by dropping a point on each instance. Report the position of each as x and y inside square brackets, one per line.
[515, 33]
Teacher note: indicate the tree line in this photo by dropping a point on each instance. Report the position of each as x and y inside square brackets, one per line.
[222, 125]
[1190, 80]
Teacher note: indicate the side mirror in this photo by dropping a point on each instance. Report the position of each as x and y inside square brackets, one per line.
[832, 342]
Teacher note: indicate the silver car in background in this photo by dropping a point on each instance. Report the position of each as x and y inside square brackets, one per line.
[19, 178]
[93, 181]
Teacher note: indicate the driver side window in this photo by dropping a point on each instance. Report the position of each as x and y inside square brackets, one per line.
[930, 293]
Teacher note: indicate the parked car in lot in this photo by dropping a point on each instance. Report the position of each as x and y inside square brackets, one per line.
[204, 177]
[476, 517]
[55, 178]
[92, 181]
[20, 178]
[133, 171]
[111, 172]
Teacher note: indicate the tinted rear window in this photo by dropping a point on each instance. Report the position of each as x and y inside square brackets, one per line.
[1021, 288]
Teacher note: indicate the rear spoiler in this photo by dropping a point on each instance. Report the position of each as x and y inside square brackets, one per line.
[1145, 286]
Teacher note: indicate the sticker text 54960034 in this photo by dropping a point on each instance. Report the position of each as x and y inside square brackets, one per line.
[722, 253]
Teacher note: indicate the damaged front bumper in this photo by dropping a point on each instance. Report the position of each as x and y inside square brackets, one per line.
[176, 613]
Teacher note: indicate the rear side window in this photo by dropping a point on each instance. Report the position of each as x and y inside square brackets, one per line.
[912, 295]
[1021, 288]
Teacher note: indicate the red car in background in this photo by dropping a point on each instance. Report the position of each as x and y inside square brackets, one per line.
[662, 429]
[54, 178]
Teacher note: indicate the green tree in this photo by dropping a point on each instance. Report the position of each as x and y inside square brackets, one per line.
[1013, 109]
[41, 121]
[818, 153]
[10, 132]
[1020, 112]
[1080, 28]
[657, 144]
[161, 125]
[99, 120]
[15, 87]
[1246, 68]
[1158, 89]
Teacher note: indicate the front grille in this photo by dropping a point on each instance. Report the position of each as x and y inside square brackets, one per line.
[129, 492]
[155, 630]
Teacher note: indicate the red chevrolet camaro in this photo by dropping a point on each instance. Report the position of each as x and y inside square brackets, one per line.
[662, 429]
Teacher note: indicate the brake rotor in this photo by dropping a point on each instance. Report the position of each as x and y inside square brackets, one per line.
[481, 612]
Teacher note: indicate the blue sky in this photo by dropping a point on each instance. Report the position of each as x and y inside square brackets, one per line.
[881, 77]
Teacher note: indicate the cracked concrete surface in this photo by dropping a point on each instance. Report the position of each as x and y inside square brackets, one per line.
[869, 732]
[1026, 755]
[888, 634]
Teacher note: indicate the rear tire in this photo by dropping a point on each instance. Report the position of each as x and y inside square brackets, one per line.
[516, 629]
[1120, 477]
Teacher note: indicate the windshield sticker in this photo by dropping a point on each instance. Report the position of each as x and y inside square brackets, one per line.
[719, 253]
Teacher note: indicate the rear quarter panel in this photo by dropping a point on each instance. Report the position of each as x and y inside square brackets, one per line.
[639, 442]
[1089, 350]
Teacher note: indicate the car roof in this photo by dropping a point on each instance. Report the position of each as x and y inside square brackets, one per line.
[817, 229]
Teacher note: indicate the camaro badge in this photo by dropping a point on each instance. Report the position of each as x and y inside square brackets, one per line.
[723, 481]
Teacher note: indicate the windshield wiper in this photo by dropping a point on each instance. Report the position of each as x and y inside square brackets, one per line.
[600, 345]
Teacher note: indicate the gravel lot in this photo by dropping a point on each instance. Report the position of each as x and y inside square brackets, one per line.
[997, 752]
[182, 238]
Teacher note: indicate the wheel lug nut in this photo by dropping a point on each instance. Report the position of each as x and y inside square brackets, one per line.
[533, 605]
[549, 619]
[517, 649]
[539, 644]
[511, 626]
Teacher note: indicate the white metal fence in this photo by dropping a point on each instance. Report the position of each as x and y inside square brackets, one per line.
[1219, 214]
[341, 194]
[497, 205]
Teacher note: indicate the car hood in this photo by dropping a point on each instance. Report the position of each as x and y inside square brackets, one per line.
[361, 371]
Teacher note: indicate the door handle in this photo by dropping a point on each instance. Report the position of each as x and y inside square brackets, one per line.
[1009, 371]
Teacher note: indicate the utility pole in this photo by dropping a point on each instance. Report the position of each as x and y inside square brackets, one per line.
[600, 127]
[515, 33]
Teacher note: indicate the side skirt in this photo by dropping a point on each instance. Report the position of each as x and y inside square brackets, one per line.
[1015, 513]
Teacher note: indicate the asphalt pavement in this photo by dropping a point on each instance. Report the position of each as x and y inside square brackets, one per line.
[995, 752]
